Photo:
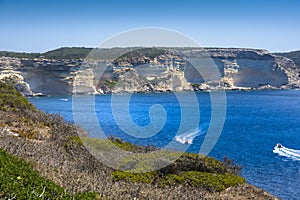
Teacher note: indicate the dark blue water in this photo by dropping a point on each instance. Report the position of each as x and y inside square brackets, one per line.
[255, 122]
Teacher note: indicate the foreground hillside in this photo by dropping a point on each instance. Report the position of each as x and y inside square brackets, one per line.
[41, 156]
[51, 162]
[64, 71]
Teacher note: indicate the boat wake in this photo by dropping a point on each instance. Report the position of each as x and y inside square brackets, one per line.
[64, 99]
[188, 137]
[286, 152]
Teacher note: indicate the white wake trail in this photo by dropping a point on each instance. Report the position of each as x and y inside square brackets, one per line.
[286, 152]
[188, 137]
[64, 99]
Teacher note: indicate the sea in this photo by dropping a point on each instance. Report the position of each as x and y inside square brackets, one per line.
[254, 123]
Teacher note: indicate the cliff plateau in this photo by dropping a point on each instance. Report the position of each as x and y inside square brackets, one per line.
[150, 70]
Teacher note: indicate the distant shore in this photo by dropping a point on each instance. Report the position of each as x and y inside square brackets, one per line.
[140, 70]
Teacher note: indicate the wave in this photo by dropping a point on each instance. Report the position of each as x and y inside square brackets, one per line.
[188, 137]
[64, 99]
[286, 152]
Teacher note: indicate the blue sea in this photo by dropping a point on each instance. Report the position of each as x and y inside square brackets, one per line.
[255, 122]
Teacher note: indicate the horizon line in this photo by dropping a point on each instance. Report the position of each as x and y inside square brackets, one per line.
[121, 47]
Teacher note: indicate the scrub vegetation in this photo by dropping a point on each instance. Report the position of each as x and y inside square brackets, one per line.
[43, 157]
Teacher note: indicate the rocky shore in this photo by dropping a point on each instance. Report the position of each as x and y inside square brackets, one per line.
[151, 70]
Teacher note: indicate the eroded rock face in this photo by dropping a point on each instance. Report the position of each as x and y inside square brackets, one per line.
[248, 68]
[238, 68]
[12, 76]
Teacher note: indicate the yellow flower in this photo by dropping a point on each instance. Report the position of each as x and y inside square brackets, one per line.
[19, 177]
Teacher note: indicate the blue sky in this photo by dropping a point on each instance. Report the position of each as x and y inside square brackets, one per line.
[39, 26]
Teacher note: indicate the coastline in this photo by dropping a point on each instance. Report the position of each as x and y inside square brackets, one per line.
[147, 70]
[166, 92]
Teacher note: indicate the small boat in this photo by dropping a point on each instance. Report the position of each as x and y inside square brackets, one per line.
[286, 152]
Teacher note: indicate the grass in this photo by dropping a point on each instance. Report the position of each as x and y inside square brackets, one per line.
[148, 177]
[200, 171]
[208, 181]
[10, 99]
[29, 134]
[19, 181]
[189, 169]
[105, 145]
[73, 141]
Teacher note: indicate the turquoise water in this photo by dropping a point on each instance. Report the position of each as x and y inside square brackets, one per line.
[255, 122]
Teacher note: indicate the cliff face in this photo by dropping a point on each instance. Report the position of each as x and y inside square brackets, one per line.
[39, 75]
[158, 71]
[253, 68]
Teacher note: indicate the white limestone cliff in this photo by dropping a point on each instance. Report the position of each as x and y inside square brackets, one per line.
[239, 69]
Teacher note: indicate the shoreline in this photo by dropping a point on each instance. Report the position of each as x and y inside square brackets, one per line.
[163, 92]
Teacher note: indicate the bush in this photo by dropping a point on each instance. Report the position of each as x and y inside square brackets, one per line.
[189, 169]
[208, 181]
[73, 141]
[11, 99]
[148, 177]
[205, 180]
[19, 181]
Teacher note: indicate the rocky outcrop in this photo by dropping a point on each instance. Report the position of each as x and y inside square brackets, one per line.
[39, 76]
[248, 68]
[160, 71]
[12, 76]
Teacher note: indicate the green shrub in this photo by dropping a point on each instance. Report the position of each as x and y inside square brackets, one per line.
[73, 141]
[19, 181]
[205, 180]
[208, 181]
[195, 162]
[192, 169]
[189, 169]
[127, 146]
[148, 177]
[12, 99]
[105, 145]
